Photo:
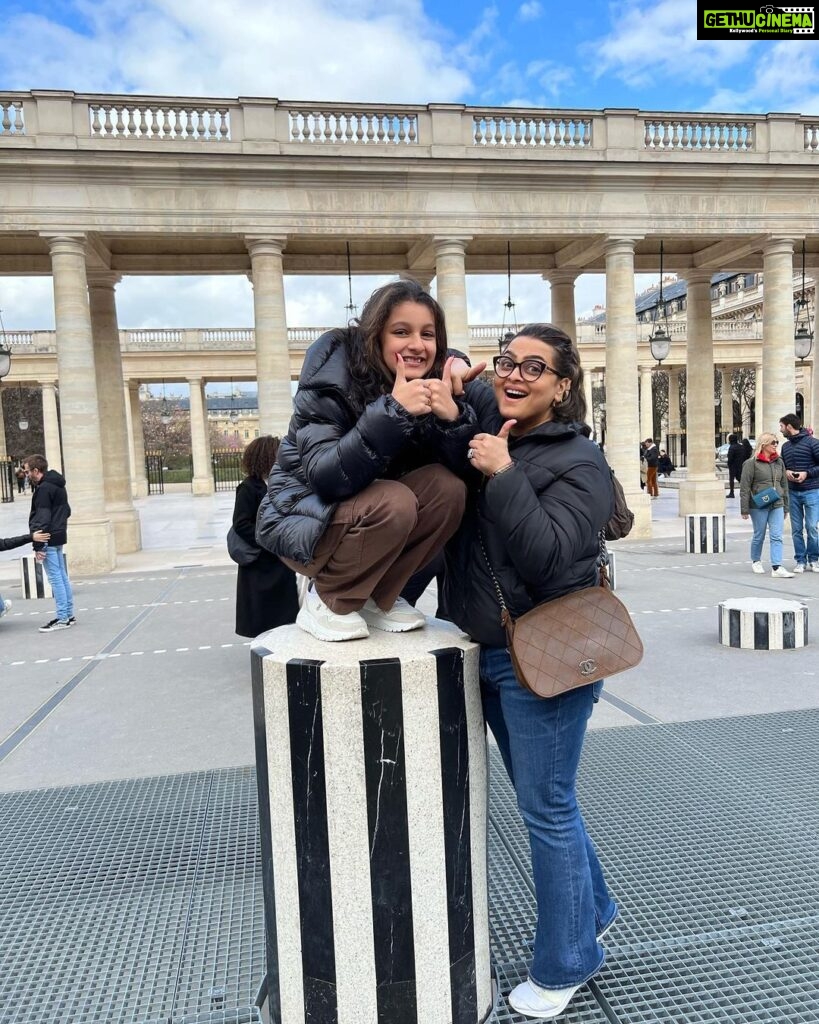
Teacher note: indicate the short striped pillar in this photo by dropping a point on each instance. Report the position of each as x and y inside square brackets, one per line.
[33, 580]
[371, 764]
[705, 533]
[612, 567]
[763, 624]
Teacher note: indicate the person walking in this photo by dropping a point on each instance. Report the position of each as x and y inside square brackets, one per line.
[540, 493]
[764, 471]
[651, 455]
[50, 512]
[800, 453]
[737, 456]
[266, 594]
[360, 497]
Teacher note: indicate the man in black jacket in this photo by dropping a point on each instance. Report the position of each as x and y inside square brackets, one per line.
[49, 512]
[651, 454]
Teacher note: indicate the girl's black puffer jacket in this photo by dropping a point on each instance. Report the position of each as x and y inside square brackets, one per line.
[334, 450]
[540, 522]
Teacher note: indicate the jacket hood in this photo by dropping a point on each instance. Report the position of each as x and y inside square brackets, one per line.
[796, 438]
[54, 478]
[325, 364]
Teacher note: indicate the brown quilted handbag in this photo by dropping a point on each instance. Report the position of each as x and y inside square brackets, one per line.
[571, 641]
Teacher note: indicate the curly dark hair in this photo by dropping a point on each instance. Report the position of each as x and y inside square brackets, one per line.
[259, 456]
[370, 377]
[567, 364]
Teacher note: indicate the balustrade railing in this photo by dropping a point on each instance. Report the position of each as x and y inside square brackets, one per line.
[12, 120]
[158, 119]
[354, 128]
[700, 135]
[429, 130]
[507, 130]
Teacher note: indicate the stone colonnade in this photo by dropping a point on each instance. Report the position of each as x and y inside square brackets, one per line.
[104, 456]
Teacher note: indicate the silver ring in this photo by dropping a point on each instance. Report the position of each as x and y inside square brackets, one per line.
[470, 453]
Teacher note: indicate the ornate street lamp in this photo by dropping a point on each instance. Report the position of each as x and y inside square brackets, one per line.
[803, 335]
[659, 340]
[165, 413]
[351, 309]
[507, 331]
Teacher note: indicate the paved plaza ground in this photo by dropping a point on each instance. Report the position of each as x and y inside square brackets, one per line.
[153, 681]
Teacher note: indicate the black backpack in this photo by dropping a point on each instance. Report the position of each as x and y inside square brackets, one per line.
[622, 520]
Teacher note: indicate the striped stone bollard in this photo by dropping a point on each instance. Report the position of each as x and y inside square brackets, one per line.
[33, 580]
[371, 764]
[611, 565]
[763, 624]
[705, 533]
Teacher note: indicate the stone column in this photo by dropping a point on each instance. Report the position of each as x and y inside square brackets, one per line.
[622, 416]
[807, 394]
[3, 451]
[759, 403]
[646, 403]
[779, 384]
[700, 492]
[423, 278]
[451, 289]
[813, 409]
[90, 534]
[674, 401]
[588, 384]
[200, 439]
[272, 354]
[51, 427]
[727, 414]
[133, 411]
[563, 314]
[116, 462]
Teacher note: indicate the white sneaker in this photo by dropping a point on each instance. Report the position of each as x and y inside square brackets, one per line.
[800, 568]
[4, 607]
[401, 618]
[781, 573]
[810, 567]
[757, 567]
[316, 618]
[543, 1003]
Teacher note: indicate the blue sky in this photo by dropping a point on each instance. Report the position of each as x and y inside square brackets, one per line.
[525, 53]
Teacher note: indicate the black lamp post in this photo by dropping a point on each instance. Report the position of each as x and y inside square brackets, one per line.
[803, 335]
[507, 332]
[659, 340]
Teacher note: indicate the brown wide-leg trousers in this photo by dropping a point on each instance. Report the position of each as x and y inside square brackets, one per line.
[379, 538]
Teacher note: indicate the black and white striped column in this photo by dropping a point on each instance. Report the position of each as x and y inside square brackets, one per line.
[763, 624]
[704, 533]
[33, 580]
[371, 762]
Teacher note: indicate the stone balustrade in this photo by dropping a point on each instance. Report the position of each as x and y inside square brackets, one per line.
[63, 119]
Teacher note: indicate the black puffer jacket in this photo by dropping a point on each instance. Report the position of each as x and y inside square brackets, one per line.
[540, 523]
[50, 509]
[334, 450]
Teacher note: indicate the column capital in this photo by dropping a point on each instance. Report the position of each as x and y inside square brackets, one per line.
[48, 384]
[620, 244]
[103, 279]
[781, 245]
[698, 276]
[195, 382]
[65, 245]
[265, 245]
[558, 277]
[450, 245]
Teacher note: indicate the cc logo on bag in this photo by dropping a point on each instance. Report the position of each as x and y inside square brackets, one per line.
[587, 667]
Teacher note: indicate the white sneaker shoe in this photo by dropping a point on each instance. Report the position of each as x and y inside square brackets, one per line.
[316, 618]
[781, 573]
[757, 567]
[531, 1000]
[5, 606]
[810, 567]
[401, 618]
[800, 568]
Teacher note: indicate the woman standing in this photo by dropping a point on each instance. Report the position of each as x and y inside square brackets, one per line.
[266, 589]
[535, 514]
[359, 499]
[764, 471]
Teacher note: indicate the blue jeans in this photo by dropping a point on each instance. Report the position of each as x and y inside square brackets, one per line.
[58, 578]
[540, 742]
[804, 511]
[771, 519]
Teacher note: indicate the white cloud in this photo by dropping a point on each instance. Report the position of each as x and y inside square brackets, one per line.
[654, 42]
[388, 51]
[530, 11]
[785, 78]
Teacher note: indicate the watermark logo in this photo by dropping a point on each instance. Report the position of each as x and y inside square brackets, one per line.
[765, 21]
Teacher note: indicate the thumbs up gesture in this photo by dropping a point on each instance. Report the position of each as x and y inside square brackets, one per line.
[413, 395]
[490, 452]
[443, 404]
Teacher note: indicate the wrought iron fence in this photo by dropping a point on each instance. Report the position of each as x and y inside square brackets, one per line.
[227, 468]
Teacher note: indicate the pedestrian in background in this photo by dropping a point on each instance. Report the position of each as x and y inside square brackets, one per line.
[764, 471]
[50, 512]
[266, 594]
[737, 457]
[651, 455]
[800, 453]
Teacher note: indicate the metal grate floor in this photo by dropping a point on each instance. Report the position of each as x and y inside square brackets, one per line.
[139, 902]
